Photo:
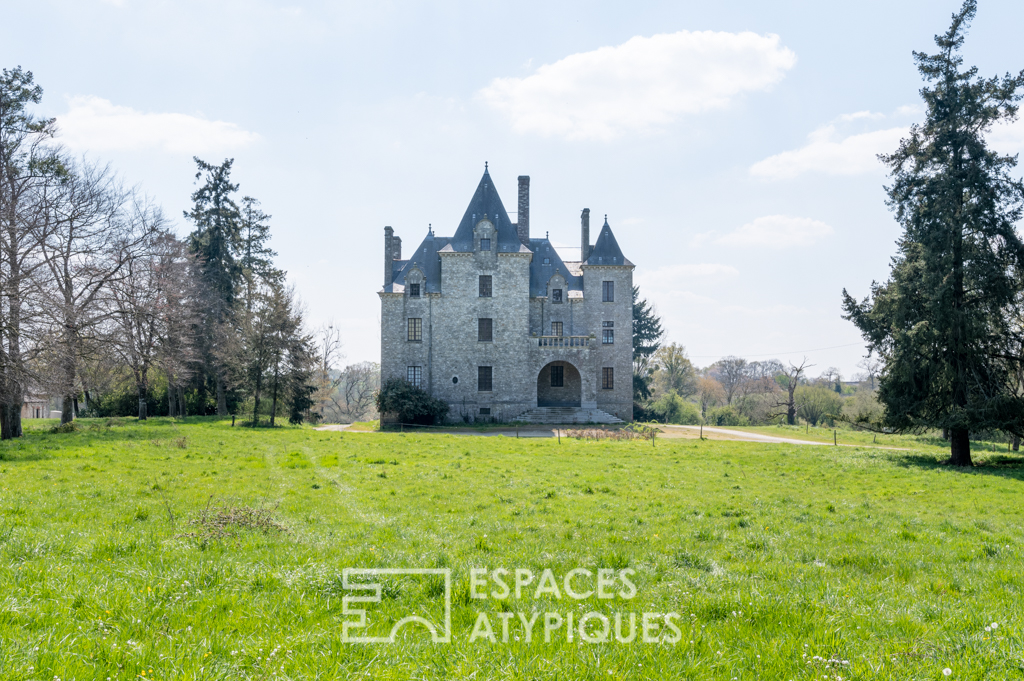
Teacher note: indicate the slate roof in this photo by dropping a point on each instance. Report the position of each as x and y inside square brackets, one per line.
[541, 273]
[426, 258]
[486, 201]
[606, 250]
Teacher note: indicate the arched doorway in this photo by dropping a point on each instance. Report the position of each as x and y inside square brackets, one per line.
[559, 385]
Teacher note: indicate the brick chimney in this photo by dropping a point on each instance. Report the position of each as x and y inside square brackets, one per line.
[585, 235]
[389, 235]
[396, 248]
[523, 216]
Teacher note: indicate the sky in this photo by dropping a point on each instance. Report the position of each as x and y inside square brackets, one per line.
[732, 145]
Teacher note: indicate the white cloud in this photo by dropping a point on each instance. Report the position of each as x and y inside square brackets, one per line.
[777, 231]
[641, 85]
[95, 124]
[830, 153]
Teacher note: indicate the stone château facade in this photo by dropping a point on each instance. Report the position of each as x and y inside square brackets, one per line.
[495, 323]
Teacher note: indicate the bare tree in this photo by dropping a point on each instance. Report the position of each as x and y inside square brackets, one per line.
[142, 311]
[353, 398]
[94, 227]
[29, 164]
[328, 379]
[872, 366]
[789, 380]
[731, 372]
[710, 392]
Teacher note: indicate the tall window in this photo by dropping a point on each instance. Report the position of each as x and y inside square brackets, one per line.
[485, 329]
[556, 295]
[415, 329]
[485, 244]
[415, 376]
[414, 290]
[607, 333]
[483, 379]
[485, 286]
[557, 377]
[607, 378]
[608, 291]
[556, 328]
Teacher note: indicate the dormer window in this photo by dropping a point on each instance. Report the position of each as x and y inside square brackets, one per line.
[547, 261]
[414, 290]
[556, 295]
[485, 244]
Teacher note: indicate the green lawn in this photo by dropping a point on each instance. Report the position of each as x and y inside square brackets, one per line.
[200, 551]
[928, 442]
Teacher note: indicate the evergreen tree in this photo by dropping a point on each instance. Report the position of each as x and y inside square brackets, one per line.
[647, 333]
[256, 258]
[943, 323]
[216, 241]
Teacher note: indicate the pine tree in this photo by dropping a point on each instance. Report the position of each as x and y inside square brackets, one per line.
[216, 241]
[647, 333]
[943, 323]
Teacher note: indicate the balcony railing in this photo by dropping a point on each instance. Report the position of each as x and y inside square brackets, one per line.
[564, 341]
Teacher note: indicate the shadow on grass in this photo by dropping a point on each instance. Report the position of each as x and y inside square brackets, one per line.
[1003, 465]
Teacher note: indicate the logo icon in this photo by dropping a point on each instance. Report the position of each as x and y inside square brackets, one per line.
[370, 585]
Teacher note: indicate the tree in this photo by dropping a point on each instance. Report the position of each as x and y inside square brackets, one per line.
[410, 403]
[872, 366]
[942, 324]
[93, 228]
[710, 393]
[673, 370]
[731, 372]
[789, 380]
[816, 403]
[647, 333]
[141, 310]
[353, 397]
[216, 241]
[28, 165]
[832, 378]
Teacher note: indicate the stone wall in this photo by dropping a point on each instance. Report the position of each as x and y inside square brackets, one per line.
[450, 348]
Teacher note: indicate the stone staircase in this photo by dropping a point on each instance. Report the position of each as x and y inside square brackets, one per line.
[567, 415]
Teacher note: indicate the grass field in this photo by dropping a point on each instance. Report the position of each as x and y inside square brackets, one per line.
[200, 551]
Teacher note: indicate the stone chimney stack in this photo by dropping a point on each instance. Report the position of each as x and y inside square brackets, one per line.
[585, 235]
[396, 248]
[523, 216]
[389, 236]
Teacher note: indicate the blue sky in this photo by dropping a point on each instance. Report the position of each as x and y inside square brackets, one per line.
[731, 143]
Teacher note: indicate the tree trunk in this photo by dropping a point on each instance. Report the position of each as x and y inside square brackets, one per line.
[67, 410]
[222, 398]
[181, 401]
[256, 405]
[945, 434]
[273, 409]
[172, 408]
[142, 402]
[6, 423]
[1016, 443]
[77, 415]
[960, 447]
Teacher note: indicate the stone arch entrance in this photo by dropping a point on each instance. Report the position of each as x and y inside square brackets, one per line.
[559, 385]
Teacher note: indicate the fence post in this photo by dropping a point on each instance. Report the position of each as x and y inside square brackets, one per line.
[835, 439]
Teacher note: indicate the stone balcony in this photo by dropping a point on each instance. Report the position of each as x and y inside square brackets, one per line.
[564, 341]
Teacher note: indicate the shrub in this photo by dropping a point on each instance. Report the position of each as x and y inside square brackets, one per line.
[412, 404]
[725, 416]
[671, 408]
[818, 404]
